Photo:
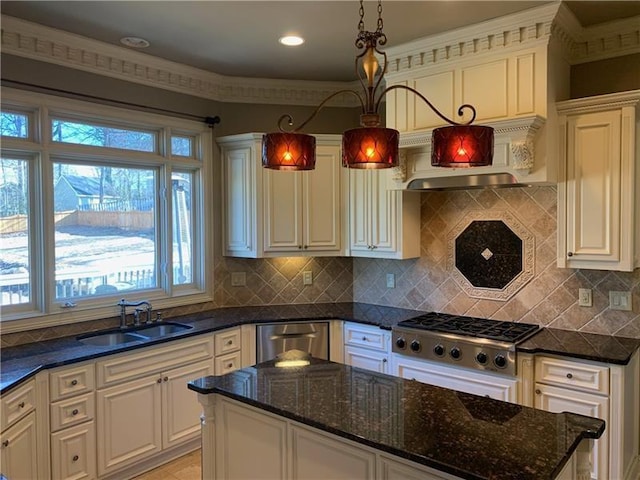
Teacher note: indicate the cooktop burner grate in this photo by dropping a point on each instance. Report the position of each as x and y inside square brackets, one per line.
[472, 326]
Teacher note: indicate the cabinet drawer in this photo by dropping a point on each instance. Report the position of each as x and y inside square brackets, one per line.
[17, 403]
[227, 341]
[577, 375]
[72, 411]
[69, 381]
[227, 363]
[129, 366]
[73, 453]
[366, 336]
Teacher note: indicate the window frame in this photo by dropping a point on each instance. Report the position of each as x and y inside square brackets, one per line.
[44, 310]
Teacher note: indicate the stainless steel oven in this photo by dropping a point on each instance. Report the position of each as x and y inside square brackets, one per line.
[276, 338]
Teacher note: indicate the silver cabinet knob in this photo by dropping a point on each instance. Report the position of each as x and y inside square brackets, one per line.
[5, 444]
[75, 412]
[538, 392]
[75, 458]
[74, 382]
[159, 380]
[384, 360]
[21, 405]
[166, 379]
[569, 254]
[569, 375]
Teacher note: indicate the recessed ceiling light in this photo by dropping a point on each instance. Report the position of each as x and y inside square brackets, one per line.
[291, 40]
[134, 42]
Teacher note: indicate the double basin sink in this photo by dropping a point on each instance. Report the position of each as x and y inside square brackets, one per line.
[133, 334]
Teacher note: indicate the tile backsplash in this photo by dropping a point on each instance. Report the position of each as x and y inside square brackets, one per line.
[549, 299]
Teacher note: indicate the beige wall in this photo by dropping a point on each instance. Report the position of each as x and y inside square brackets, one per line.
[606, 76]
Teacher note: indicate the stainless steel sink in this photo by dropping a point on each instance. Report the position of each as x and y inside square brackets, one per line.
[112, 338]
[145, 332]
[160, 330]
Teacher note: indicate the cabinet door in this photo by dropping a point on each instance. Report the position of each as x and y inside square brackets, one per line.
[282, 211]
[73, 453]
[316, 456]
[321, 202]
[384, 205]
[129, 423]
[369, 359]
[18, 447]
[593, 188]
[239, 201]
[359, 206]
[554, 399]
[180, 408]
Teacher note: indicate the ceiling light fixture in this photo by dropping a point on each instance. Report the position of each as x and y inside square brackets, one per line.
[134, 42]
[291, 40]
[372, 146]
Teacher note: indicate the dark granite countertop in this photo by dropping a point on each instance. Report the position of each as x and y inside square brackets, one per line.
[465, 435]
[588, 346]
[19, 363]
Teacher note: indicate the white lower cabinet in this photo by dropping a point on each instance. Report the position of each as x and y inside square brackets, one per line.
[366, 346]
[499, 387]
[606, 391]
[143, 404]
[73, 453]
[390, 469]
[18, 449]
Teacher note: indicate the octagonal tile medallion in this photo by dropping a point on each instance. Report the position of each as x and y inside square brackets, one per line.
[491, 255]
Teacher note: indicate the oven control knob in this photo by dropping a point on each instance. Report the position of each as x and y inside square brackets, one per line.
[500, 361]
[455, 353]
[481, 358]
[415, 346]
[401, 343]
[438, 350]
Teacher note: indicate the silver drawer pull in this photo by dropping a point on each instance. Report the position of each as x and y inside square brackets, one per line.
[229, 342]
[75, 412]
[364, 339]
[75, 458]
[74, 382]
[292, 335]
[538, 392]
[569, 254]
[159, 380]
[229, 365]
[569, 375]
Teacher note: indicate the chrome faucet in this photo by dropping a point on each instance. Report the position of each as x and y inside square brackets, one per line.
[123, 304]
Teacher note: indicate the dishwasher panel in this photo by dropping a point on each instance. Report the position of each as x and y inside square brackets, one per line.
[277, 338]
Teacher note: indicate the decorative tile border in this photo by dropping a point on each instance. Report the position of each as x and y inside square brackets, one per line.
[528, 257]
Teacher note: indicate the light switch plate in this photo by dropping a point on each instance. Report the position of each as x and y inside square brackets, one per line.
[307, 277]
[620, 300]
[238, 279]
[391, 280]
[585, 297]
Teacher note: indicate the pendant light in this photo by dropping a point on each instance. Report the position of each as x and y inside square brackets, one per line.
[372, 146]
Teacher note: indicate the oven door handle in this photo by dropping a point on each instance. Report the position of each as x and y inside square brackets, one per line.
[285, 336]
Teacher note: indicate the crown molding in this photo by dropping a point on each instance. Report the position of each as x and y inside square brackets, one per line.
[600, 102]
[31, 40]
[532, 27]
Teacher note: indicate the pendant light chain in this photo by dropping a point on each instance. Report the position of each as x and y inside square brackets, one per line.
[361, 22]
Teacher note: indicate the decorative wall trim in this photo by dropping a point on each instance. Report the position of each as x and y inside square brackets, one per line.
[609, 40]
[31, 40]
[528, 257]
[600, 103]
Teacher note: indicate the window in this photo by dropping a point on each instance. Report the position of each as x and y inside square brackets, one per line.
[103, 210]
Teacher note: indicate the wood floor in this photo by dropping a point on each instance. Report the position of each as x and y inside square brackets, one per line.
[188, 467]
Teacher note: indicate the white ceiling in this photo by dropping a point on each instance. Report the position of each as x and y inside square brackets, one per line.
[239, 38]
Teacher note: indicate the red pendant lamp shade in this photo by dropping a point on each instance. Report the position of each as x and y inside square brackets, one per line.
[370, 147]
[462, 146]
[288, 151]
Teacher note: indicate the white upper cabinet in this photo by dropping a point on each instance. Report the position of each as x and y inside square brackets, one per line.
[268, 213]
[383, 223]
[598, 212]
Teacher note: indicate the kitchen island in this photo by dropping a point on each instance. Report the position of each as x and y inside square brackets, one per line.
[328, 420]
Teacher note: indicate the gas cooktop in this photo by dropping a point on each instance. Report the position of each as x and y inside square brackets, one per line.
[472, 326]
[469, 342]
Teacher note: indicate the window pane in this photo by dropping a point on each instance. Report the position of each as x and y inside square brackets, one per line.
[104, 229]
[14, 125]
[102, 136]
[15, 278]
[181, 146]
[182, 228]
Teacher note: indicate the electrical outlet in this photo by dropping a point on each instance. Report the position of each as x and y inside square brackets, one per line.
[585, 297]
[307, 277]
[620, 300]
[238, 279]
[391, 280]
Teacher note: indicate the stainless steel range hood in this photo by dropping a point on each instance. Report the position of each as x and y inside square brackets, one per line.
[466, 182]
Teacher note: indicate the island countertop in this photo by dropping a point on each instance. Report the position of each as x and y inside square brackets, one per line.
[465, 435]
